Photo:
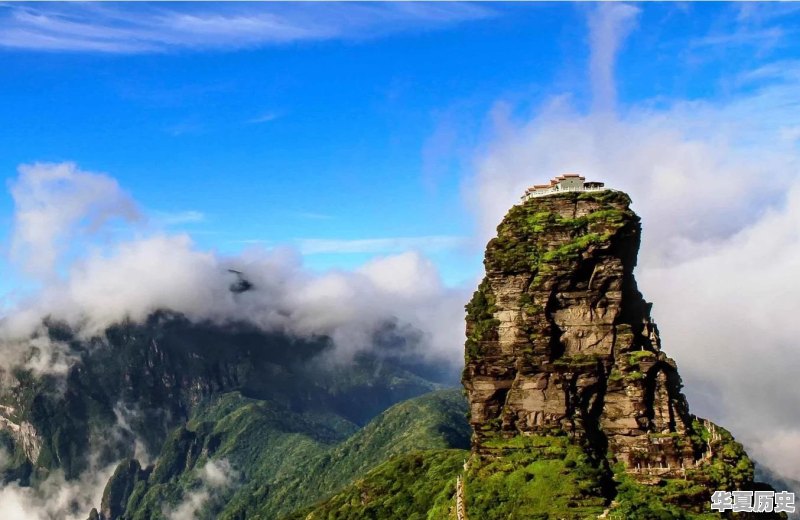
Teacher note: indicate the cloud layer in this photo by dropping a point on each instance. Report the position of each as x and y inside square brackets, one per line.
[129, 278]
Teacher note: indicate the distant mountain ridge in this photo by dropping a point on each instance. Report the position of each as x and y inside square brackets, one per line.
[137, 382]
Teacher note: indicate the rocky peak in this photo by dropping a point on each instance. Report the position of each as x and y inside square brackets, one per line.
[559, 339]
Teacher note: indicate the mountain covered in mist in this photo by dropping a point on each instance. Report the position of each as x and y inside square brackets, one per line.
[180, 394]
[570, 408]
[271, 461]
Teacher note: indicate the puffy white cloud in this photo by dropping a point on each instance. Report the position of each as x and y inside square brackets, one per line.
[132, 278]
[142, 276]
[408, 274]
[728, 315]
[56, 206]
[693, 178]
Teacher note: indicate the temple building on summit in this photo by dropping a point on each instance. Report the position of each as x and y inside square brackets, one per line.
[562, 183]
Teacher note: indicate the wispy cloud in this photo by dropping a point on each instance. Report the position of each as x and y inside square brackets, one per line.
[750, 25]
[147, 28]
[766, 37]
[760, 12]
[215, 476]
[266, 117]
[312, 246]
[177, 218]
[609, 24]
[183, 128]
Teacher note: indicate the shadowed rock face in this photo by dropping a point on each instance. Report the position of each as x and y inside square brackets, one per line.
[559, 338]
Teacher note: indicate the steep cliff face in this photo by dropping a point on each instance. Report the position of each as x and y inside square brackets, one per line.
[560, 341]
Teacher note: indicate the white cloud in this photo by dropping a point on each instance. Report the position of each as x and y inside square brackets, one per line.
[215, 475]
[738, 343]
[406, 274]
[137, 278]
[178, 218]
[124, 413]
[692, 175]
[57, 207]
[132, 278]
[55, 497]
[609, 24]
[145, 28]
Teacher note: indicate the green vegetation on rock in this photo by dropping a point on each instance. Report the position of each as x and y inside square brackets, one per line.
[636, 357]
[534, 477]
[480, 315]
[636, 500]
[522, 244]
[574, 248]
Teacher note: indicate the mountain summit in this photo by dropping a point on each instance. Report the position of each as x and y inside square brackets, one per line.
[564, 366]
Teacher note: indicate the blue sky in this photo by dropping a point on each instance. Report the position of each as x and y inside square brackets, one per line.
[267, 124]
[359, 131]
[272, 123]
